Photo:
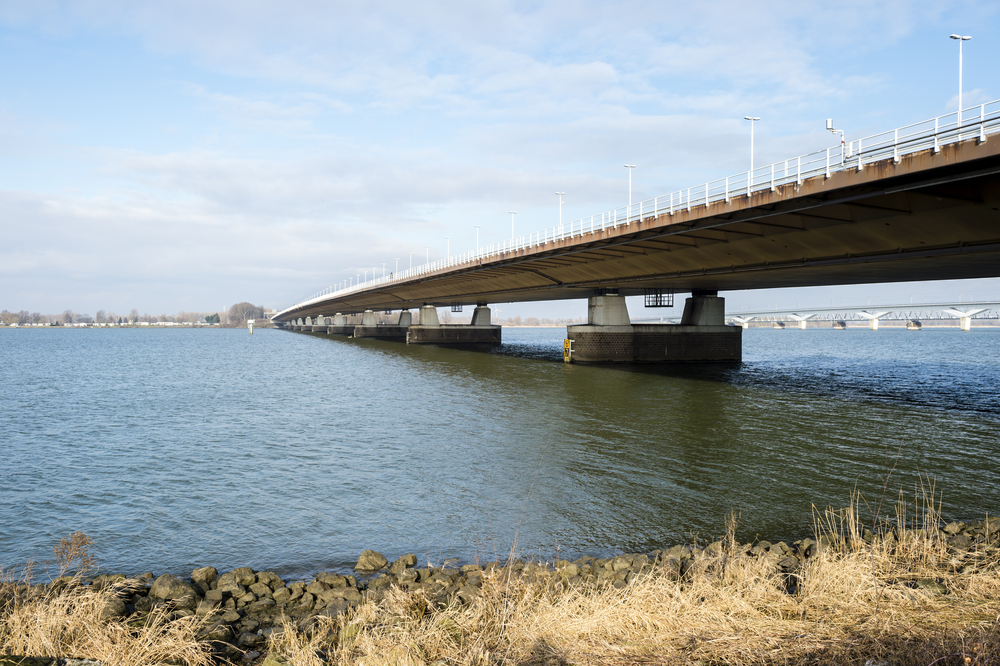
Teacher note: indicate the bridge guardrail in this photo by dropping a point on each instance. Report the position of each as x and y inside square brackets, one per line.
[976, 122]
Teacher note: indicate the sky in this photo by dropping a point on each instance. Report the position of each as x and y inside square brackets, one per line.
[191, 154]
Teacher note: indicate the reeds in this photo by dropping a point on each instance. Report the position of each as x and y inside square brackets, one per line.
[896, 594]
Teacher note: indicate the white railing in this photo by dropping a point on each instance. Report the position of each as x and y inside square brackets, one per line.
[977, 122]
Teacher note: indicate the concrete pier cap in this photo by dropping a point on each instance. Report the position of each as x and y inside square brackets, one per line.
[610, 337]
[339, 319]
[429, 315]
[405, 318]
[482, 315]
[368, 318]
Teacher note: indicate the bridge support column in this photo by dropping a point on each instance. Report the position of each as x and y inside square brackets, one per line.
[609, 337]
[429, 316]
[369, 328]
[480, 333]
[405, 318]
[965, 323]
[319, 324]
[873, 324]
[340, 326]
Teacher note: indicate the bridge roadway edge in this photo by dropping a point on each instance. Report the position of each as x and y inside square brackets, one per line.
[831, 227]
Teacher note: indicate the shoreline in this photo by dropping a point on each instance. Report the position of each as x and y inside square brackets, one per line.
[241, 614]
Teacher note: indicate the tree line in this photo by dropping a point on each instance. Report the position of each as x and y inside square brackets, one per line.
[237, 315]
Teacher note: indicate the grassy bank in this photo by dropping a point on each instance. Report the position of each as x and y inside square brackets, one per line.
[903, 591]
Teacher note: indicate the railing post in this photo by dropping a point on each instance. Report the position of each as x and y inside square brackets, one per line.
[656, 205]
[827, 162]
[706, 196]
[689, 199]
[671, 203]
[640, 212]
[861, 163]
[982, 123]
[798, 171]
[895, 146]
[727, 189]
[937, 146]
[749, 182]
[772, 177]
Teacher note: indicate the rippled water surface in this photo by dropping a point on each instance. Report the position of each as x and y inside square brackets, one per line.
[293, 452]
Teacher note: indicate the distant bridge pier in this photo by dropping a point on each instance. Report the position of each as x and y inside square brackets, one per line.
[965, 316]
[319, 324]
[873, 318]
[340, 326]
[610, 337]
[370, 328]
[802, 320]
[480, 333]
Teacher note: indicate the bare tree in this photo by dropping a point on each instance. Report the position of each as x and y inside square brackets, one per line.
[100, 316]
[68, 317]
[239, 313]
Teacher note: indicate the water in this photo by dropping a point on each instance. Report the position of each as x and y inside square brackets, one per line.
[291, 452]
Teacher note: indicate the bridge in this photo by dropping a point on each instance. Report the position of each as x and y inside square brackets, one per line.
[913, 313]
[920, 202]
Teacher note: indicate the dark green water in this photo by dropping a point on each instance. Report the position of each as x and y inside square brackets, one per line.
[294, 452]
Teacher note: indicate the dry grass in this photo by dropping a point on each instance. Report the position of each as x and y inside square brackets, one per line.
[68, 620]
[856, 602]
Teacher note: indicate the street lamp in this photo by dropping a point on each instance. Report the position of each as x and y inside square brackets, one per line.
[960, 39]
[383, 269]
[561, 194]
[629, 167]
[512, 214]
[752, 120]
[830, 127]
[477, 235]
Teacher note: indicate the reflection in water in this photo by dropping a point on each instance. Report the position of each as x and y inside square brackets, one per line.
[294, 452]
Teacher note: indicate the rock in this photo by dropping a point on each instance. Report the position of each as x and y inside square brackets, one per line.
[170, 587]
[248, 639]
[714, 549]
[405, 562]
[332, 580]
[569, 571]
[932, 586]
[369, 560]
[621, 562]
[228, 582]
[244, 576]
[271, 579]
[115, 608]
[261, 590]
[953, 527]
[204, 575]
[205, 608]
[273, 659]
[215, 596]
[282, 595]
[187, 602]
[959, 542]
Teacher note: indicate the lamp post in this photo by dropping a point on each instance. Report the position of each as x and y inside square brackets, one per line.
[752, 120]
[960, 39]
[448, 251]
[366, 276]
[512, 214]
[831, 128]
[383, 269]
[561, 194]
[629, 167]
[477, 235]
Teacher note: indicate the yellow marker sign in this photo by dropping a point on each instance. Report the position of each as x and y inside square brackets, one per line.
[566, 350]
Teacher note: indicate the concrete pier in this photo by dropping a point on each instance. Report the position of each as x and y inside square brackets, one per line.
[340, 326]
[610, 337]
[383, 331]
[431, 332]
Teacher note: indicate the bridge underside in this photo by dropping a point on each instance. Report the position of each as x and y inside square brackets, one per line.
[928, 217]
